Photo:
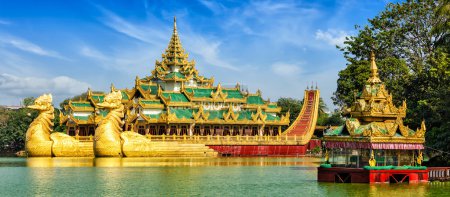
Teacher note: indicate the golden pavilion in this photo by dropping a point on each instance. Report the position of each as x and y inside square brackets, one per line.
[374, 130]
[176, 100]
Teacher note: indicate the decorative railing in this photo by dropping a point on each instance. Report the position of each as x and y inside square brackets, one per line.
[439, 174]
[84, 138]
[231, 140]
[221, 140]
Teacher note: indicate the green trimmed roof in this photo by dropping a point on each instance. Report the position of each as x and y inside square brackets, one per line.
[200, 92]
[233, 94]
[175, 97]
[337, 131]
[103, 112]
[81, 117]
[271, 118]
[255, 100]
[124, 96]
[153, 88]
[272, 106]
[245, 115]
[172, 75]
[81, 104]
[98, 98]
[213, 114]
[151, 102]
[182, 113]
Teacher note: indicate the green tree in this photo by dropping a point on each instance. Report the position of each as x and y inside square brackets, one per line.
[12, 133]
[292, 105]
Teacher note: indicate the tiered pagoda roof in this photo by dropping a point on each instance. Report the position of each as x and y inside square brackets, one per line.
[374, 118]
[176, 93]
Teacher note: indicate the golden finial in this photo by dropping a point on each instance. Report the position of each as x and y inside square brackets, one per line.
[175, 25]
[373, 70]
[113, 88]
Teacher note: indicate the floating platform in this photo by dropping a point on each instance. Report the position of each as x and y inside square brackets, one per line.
[360, 175]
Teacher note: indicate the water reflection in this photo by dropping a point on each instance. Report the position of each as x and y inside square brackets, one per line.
[252, 176]
[170, 161]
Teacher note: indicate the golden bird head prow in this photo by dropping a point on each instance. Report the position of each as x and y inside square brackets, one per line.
[112, 100]
[42, 103]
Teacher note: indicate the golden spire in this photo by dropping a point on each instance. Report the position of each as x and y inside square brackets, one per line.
[175, 25]
[373, 70]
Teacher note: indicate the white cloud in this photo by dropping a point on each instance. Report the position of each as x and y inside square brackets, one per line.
[286, 70]
[92, 53]
[207, 49]
[214, 6]
[27, 46]
[4, 22]
[332, 36]
[61, 87]
[140, 32]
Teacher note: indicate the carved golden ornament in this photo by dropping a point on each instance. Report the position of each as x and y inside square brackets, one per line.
[136, 145]
[200, 115]
[218, 94]
[107, 135]
[259, 116]
[419, 158]
[421, 132]
[327, 157]
[391, 128]
[230, 115]
[38, 142]
[372, 161]
[352, 125]
[373, 79]
[67, 146]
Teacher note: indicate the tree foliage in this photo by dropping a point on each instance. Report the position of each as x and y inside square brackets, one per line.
[411, 43]
[12, 132]
[294, 107]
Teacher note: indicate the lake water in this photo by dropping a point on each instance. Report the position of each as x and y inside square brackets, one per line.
[227, 176]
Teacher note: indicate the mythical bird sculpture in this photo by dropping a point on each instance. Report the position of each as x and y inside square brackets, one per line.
[107, 142]
[38, 142]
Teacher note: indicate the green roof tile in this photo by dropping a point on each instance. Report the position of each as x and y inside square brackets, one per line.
[233, 94]
[98, 98]
[337, 131]
[245, 115]
[153, 88]
[124, 95]
[272, 106]
[81, 117]
[172, 75]
[151, 102]
[175, 97]
[152, 116]
[200, 92]
[255, 100]
[215, 114]
[81, 104]
[182, 113]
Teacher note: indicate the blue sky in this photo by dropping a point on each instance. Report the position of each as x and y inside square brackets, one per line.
[64, 47]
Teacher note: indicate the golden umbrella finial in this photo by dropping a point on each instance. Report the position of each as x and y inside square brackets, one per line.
[373, 70]
[175, 24]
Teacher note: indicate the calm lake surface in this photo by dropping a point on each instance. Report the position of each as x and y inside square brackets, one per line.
[227, 176]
